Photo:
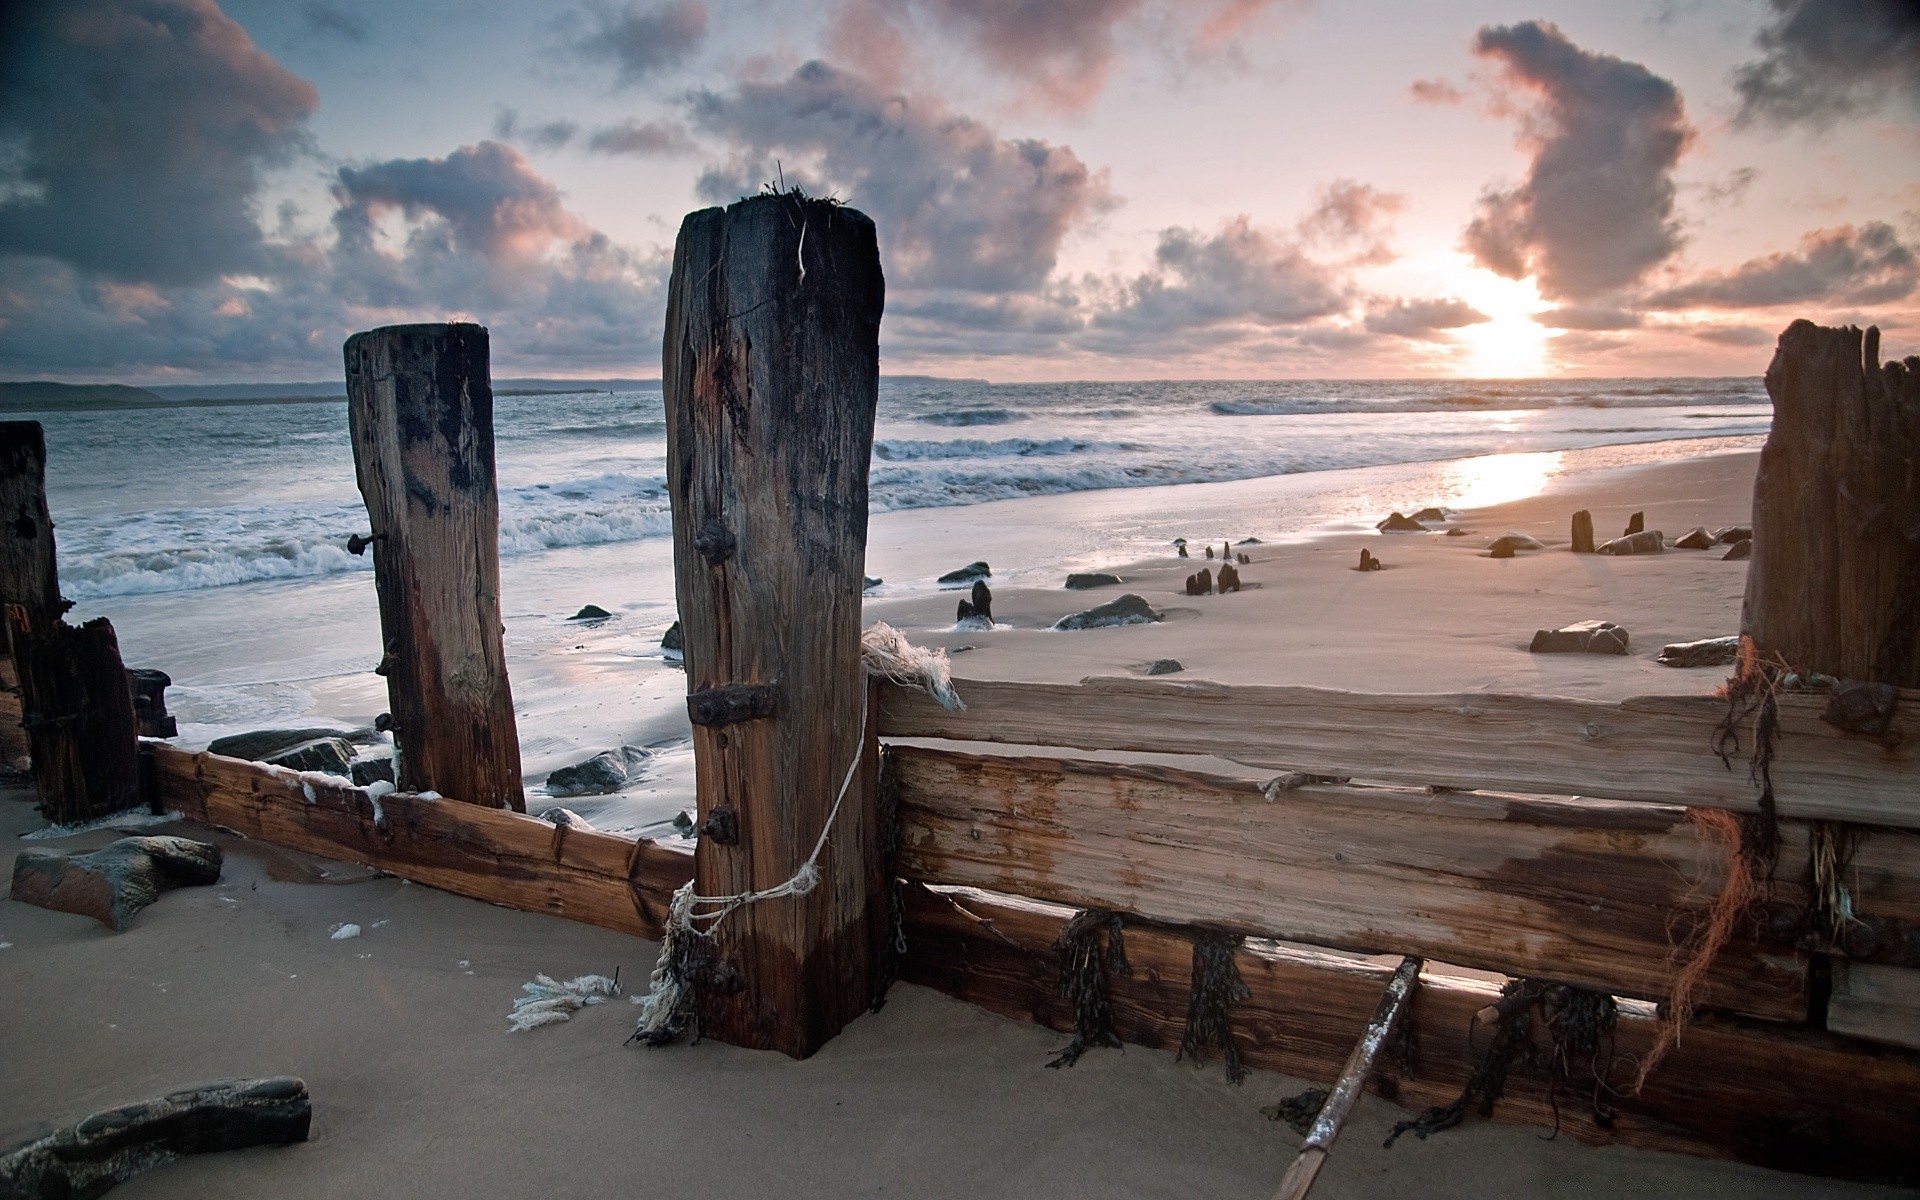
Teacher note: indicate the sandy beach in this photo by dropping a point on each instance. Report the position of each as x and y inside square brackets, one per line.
[419, 1090]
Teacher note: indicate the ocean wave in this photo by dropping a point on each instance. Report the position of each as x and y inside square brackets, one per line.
[906, 450]
[971, 416]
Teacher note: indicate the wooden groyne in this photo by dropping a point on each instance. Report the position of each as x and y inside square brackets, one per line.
[1541, 856]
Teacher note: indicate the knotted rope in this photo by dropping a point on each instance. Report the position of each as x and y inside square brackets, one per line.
[667, 1010]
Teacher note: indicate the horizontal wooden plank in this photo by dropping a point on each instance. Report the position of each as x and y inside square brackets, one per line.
[1767, 1094]
[1877, 1003]
[1580, 892]
[1653, 748]
[490, 854]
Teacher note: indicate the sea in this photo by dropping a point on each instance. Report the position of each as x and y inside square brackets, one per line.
[215, 536]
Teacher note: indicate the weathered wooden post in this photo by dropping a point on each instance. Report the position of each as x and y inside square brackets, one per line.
[28, 575]
[420, 410]
[1834, 585]
[75, 704]
[771, 372]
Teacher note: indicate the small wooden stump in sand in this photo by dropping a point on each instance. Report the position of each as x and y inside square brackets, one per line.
[1583, 532]
[420, 409]
[771, 376]
[1835, 581]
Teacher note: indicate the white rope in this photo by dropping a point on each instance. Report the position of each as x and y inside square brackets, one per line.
[884, 653]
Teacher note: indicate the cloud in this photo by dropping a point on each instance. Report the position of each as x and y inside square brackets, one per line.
[641, 42]
[1356, 217]
[1844, 265]
[1595, 211]
[1240, 275]
[143, 128]
[487, 200]
[1437, 92]
[548, 135]
[1826, 59]
[958, 206]
[639, 138]
[1734, 335]
[1423, 319]
[325, 18]
[1061, 51]
[1591, 318]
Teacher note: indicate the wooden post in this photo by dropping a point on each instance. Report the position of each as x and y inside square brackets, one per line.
[28, 576]
[79, 717]
[1834, 585]
[420, 410]
[1583, 532]
[771, 372]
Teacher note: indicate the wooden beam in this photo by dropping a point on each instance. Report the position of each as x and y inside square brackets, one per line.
[1652, 748]
[420, 411]
[771, 377]
[1835, 581]
[1876, 1003]
[489, 854]
[1392, 1009]
[1784, 1098]
[1587, 893]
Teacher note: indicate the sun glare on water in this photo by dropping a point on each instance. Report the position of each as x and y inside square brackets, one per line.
[1510, 345]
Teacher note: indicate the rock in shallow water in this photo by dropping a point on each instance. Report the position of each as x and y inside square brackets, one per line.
[590, 612]
[601, 775]
[116, 881]
[261, 744]
[1082, 580]
[968, 573]
[328, 755]
[1586, 637]
[1401, 523]
[1123, 610]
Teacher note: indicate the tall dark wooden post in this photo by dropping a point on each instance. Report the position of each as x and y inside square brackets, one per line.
[771, 370]
[28, 575]
[420, 410]
[75, 705]
[1835, 581]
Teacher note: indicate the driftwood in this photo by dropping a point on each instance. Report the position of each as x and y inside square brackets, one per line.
[1835, 581]
[771, 379]
[110, 1147]
[1587, 893]
[1353, 1077]
[1651, 748]
[1786, 1098]
[420, 411]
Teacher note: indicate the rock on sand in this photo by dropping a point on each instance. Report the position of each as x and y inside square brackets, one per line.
[1123, 610]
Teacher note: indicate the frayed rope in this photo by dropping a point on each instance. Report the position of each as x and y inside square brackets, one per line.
[667, 1010]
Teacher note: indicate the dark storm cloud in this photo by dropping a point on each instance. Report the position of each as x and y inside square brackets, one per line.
[488, 198]
[1241, 275]
[332, 19]
[142, 129]
[642, 41]
[1826, 59]
[1595, 211]
[639, 138]
[958, 206]
[1423, 319]
[1867, 265]
[1736, 335]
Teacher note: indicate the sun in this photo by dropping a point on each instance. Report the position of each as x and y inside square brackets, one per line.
[1510, 345]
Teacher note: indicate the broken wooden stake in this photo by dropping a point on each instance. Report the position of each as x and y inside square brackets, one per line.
[771, 378]
[28, 574]
[1353, 1077]
[420, 410]
[79, 717]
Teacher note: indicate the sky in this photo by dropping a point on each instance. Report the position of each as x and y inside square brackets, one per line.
[193, 191]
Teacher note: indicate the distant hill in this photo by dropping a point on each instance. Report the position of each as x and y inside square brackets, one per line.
[44, 394]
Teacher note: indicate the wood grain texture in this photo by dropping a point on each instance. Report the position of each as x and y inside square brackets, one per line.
[420, 411]
[29, 575]
[489, 854]
[771, 377]
[79, 717]
[1784, 1098]
[1876, 1003]
[1651, 748]
[1587, 893]
[1835, 581]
